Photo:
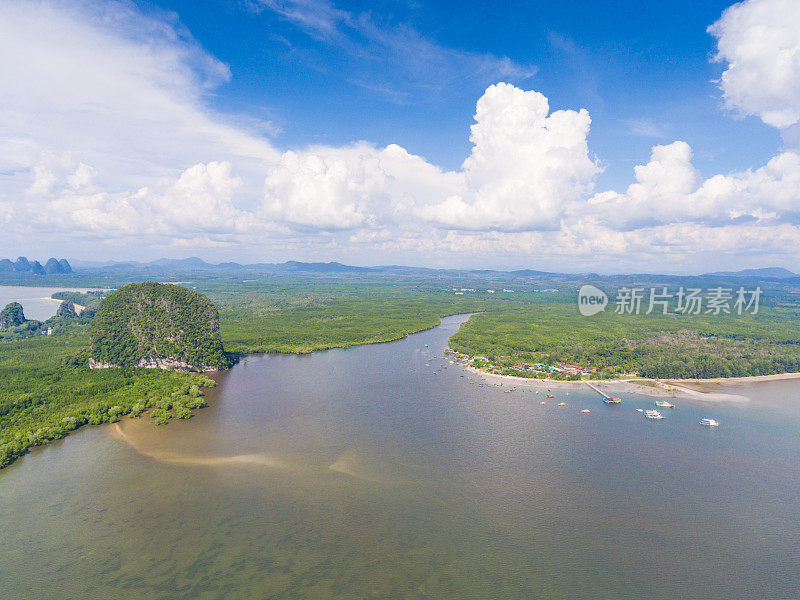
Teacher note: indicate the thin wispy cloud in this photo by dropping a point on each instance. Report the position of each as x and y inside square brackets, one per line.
[646, 128]
[390, 58]
[318, 18]
[585, 74]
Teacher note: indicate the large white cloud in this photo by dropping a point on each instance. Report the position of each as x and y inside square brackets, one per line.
[102, 83]
[198, 201]
[760, 42]
[105, 134]
[526, 167]
[668, 189]
[326, 188]
[332, 188]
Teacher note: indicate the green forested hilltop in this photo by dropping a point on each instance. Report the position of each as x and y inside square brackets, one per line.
[12, 316]
[145, 321]
[662, 346]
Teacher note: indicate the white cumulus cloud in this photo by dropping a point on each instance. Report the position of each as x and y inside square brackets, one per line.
[526, 165]
[106, 135]
[668, 189]
[760, 42]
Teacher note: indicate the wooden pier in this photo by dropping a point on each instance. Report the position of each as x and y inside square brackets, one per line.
[598, 390]
[606, 398]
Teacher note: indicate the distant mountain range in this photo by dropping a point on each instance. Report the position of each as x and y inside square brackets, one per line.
[194, 264]
[198, 264]
[766, 273]
[23, 265]
[165, 267]
[293, 266]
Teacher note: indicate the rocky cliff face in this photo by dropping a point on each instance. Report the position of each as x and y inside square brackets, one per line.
[37, 268]
[157, 325]
[156, 363]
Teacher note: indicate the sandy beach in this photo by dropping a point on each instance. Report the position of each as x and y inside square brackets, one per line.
[78, 308]
[684, 389]
[734, 380]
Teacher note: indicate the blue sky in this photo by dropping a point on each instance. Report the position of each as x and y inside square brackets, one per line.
[643, 71]
[604, 136]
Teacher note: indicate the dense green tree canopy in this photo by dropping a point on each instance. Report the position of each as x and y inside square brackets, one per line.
[11, 316]
[661, 346]
[151, 320]
[66, 309]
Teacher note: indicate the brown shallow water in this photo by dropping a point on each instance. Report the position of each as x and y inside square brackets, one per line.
[359, 474]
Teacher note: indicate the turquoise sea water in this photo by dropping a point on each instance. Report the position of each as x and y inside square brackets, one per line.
[359, 474]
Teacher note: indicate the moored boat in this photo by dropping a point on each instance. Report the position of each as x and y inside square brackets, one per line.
[709, 422]
[653, 414]
[612, 400]
[664, 404]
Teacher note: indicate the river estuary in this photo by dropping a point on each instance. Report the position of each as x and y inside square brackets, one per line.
[360, 474]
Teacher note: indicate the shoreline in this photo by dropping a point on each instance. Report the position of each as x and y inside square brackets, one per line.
[673, 388]
[747, 379]
[78, 308]
[671, 381]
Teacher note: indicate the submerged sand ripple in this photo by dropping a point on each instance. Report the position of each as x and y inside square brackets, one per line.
[164, 456]
[350, 462]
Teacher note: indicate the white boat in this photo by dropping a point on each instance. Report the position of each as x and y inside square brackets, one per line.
[709, 422]
[653, 414]
[639, 410]
[664, 404]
